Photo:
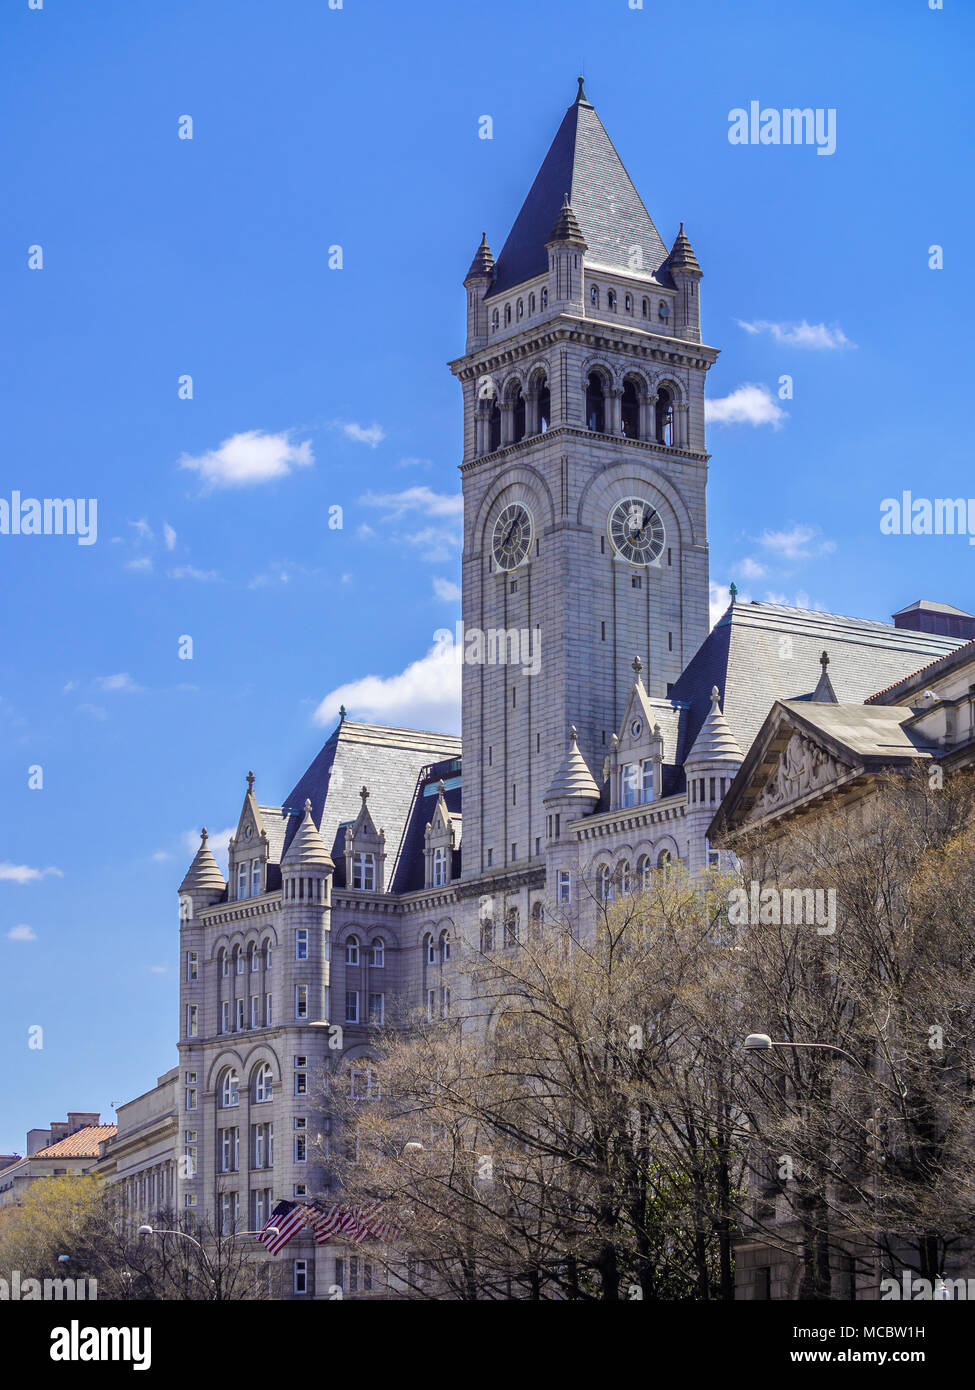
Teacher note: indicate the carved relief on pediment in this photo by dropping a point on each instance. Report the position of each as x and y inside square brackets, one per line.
[804, 767]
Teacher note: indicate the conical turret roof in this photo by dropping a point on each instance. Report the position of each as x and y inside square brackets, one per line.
[307, 849]
[483, 262]
[573, 781]
[567, 227]
[203, 875]
[682, 255]
[715, 742]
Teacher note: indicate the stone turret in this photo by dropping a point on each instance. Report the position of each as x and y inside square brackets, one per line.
[710, 768]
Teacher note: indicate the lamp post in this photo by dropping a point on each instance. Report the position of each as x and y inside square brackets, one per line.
[207, 1264]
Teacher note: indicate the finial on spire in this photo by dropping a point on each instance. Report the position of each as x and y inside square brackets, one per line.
[307, 805]
[250, 781]
[581, 93]
[364, 794]
[441, 786]
[824, 661]
[733, 591]
[573, 734]
[715, 699]
[203, 837]
[341, 714]
[637, 665]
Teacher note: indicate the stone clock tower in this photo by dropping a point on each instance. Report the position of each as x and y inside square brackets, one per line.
[584, 476]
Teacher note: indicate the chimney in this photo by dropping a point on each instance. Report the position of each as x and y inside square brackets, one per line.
[942, 619]
[59, 1130]
[80, 1119]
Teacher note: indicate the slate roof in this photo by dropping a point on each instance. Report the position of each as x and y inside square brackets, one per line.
[715, 742]
[744, 657]
[901, 689]
[573, 780]
[410, 868]
[581, 162]
[203, 875]
[868, 731]
[389, 761]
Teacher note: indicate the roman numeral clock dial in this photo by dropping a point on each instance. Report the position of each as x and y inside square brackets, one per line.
[512, 537]
[636, 531]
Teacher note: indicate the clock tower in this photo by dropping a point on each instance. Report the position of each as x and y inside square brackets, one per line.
[584, 476]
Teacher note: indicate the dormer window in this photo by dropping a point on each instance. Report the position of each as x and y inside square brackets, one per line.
[507, 315]
[255, 878]
[628, 301]
[531, 303]
[364, 872]
[521, 308]
[439, 866]
[544, 299]
[241, 881]
[594, 297]
[496, 320]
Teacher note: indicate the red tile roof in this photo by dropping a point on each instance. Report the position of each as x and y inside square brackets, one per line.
[82, 1144]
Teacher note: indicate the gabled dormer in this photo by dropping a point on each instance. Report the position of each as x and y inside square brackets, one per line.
[441, 843]
[248, 850]
[365, 852]
[634, 767]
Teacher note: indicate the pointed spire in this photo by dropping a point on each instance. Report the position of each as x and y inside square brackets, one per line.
[682, 257]
[567, 227]
[637, 666]
[715, 742]
[203, 875]
[824, 694]
[581, 98]
[307, 849]
[482, 266]
[573, 781]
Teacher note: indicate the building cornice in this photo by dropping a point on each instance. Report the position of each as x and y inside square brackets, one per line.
[592, 333]
[632, 818]
[688, 456]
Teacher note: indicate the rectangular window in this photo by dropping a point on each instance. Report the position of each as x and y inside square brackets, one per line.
[353, 1273]
[431, 1005]
[239, 1011]
[490, 857]
[364, 872]
[301, 1140]
[225, 1016]
[241, 881]
[300, 1189]
[564, 886]
[514, 851]
[629, 774]
[190, 1199]
[439, 867]
[257, 1146]
[377, 1008]
[192, 965]
[255, 878]
[255, 960]
[255, 1011]
[189, 1152]
[267, 1011]
[229, 1150]
[190, 1081]
[301, 944]
[339, 1273]
[367, 1275]
[445, 1002]
[191, 1020]
[301, 1001]
[301, 1083]
[301, 1276]
[352, 1006]
[646, 780]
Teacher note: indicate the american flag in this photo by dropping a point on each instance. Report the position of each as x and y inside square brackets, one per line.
[354, 1224]
[288, 1218]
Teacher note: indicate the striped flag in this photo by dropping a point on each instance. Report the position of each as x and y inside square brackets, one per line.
[288, 1218]
[354, 1224]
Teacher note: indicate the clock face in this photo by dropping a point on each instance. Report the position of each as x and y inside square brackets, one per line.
[512, 537]
[636, 531]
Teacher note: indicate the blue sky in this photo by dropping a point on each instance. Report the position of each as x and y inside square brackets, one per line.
[316, 387]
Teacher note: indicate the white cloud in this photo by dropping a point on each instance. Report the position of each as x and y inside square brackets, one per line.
[119, 684]
[217, 842]
[141, 566]
[413, 462]
[23, 873]
[191, 572]
[68, 687]
[142, 528]
[799, 542]
[282, 572]
[802, 335]
[157, 970]
[160, 855]
[169, 536]
[719, 596]
[248, 458]
[361, 434]
[425, 695]
[747, 405]
[751, 569]
[415, 499]
[801, 600]
[21, 933]
[446, 589]
[93, 711]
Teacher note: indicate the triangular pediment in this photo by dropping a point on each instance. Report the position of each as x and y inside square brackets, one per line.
[804, 767]
[250, 833]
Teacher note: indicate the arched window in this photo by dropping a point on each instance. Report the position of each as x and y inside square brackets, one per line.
[596, 403]
[628, 301]
[535, 920]
[253, 958]
[544, 405]
[507, 314]
[544, 299]
[229, 1089]
[267, 953]
[439, 866]
[445, 946]
[665, 862]
[352, 951]
[594, 297]
[605, 884]
[487, 934]
[611, 300]
[263, 1085]
[518, 416]
[665, 417]
[223, 962]
[496, 319]
[494, 426]
[625, 878]
[663, 311]
[429, 950]
[238, 961]
[643, 870]
[531, 303]
[630, 410]
[520, 311]
[511, 927]
[378, 955]
[646, 309]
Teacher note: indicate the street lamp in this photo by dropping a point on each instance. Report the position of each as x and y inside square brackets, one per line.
[152, 1231]
[761, 1042]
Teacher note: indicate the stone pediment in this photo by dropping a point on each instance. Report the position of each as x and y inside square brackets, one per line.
[804, 767]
